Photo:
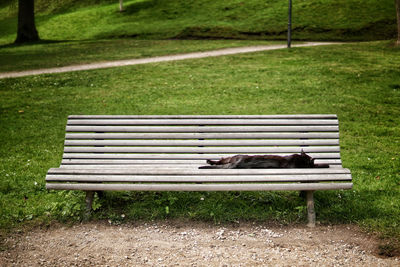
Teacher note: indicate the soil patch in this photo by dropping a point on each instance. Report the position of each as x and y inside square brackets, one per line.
[181, 243]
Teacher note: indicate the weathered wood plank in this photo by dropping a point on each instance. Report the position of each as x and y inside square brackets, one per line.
[319, 142]
[293, 116]
[157, 162]
[200, 129]
[250, 135]
[150, 166]
[247, 150]
[179, 156]
[132, 162]
[164, 166]
[202, 179]
[202, 122]
[183, 171]
[200, 187]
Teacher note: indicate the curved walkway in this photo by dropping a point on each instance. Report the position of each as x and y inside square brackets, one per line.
[128, 62]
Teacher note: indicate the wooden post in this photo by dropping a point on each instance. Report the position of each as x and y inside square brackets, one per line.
[398, 22]
[121, 6]
[89, 201]
[310, 209]
[289, 33]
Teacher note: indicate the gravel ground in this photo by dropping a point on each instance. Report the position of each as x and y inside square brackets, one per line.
[177, 243]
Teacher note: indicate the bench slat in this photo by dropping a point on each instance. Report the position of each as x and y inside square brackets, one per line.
[149, 166]
[199, 187]
[201, 129]
[252, 135]
[293, 116]
[203, 178]
[325, 142]
[179, 156]
[202, 122]
[181, 171]
[156, 162]
[246, 150]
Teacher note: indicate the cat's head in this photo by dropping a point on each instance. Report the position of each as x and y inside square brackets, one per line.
[306, 160]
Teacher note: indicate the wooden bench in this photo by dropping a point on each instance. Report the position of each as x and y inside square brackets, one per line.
[163, 153]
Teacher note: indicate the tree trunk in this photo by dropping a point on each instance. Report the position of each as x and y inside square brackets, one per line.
[398, 21]
[121, 6]
[26, 22]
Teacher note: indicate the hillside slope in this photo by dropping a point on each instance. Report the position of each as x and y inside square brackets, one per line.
[250, 19]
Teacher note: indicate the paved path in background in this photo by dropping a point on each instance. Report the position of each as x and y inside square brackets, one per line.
[129, 62]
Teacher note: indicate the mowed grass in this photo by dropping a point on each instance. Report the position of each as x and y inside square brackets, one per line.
[359, 82]
[231, 19]
[58, 54]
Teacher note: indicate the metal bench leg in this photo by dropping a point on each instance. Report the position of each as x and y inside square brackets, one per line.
[310, 209]
[100, 194]
[89, 201]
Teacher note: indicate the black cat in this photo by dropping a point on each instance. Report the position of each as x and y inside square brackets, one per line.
[264, 162]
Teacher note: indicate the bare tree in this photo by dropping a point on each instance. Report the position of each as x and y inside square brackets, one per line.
[398, 21]
[26, 22]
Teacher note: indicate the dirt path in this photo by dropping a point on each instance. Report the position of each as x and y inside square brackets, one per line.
[180, 243]
[128, 62]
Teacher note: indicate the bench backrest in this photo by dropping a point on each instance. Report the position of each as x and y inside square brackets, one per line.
[188, 140]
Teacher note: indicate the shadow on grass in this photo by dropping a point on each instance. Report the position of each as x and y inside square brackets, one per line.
[219, 207]
[339, 206]
[138, 6]
[40, 42]
[363, 207]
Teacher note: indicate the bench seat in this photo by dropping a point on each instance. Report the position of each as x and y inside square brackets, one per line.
[163, 153]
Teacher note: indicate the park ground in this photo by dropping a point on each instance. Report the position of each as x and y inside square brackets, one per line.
[188, 243]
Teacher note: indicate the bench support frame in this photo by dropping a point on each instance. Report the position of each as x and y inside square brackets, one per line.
[89, 201]
[309, 195]
[310, 209]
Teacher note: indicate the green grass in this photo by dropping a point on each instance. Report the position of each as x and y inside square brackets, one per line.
[359, 82]
[45, 55]
[251, 19]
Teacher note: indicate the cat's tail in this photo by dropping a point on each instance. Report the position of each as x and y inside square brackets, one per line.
[210, 167]
[213, 165]
[212, 162]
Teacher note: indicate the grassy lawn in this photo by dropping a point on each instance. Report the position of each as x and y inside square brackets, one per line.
[58, 54]
[359, 82]
[250, 19]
